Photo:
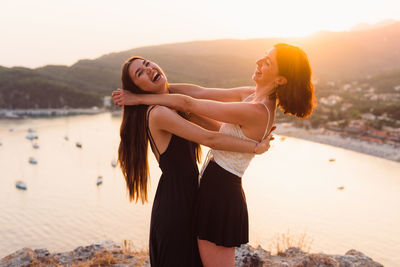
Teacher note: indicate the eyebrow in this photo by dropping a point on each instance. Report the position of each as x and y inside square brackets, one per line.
[144, 62]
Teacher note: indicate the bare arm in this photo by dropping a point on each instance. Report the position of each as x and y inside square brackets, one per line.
[168, 120]
[236, 94]
[242, 113]
[205, 122]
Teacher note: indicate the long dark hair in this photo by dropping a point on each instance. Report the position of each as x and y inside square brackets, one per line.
[296, 97]
[133, 147]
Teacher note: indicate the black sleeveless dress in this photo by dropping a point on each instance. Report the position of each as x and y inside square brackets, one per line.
[172, 228]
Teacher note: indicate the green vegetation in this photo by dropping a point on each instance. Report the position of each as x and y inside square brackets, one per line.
[362, 59]
[24, 88]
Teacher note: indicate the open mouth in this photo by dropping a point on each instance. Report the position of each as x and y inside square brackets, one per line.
[156, 77]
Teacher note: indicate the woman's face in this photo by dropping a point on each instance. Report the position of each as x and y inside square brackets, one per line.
[148, 76]
[267, 70]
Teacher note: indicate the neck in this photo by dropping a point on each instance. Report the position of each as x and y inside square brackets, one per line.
[263, 92]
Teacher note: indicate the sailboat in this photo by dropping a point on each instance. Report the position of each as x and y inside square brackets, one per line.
[21, 185]
[113, 163]
[32, 160]
[32, 137]
[99, 180]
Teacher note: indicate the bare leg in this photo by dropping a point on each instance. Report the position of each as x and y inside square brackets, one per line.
[216, 256]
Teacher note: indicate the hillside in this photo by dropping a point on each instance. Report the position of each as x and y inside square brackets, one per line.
[335, 56]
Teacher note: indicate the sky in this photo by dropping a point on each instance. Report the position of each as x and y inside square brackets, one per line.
[35, 33]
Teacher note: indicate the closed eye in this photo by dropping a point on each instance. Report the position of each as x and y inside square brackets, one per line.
[146, 63]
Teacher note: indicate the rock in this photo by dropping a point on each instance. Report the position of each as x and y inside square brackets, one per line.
[40, 253]
[317, 260]
[356, 258]
[22, 257]
[109, 253]
[292, 252]
[247, 256]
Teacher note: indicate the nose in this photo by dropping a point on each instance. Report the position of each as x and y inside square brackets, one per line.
[148, 70]
[258, 62]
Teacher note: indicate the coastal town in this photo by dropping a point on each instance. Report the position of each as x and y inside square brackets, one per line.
[354, 110]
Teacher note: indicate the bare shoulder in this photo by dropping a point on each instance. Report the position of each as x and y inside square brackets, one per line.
[246, 91]
[157, 113]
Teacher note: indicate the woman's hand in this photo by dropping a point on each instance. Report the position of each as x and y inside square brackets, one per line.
[264, 145]
[124, 98]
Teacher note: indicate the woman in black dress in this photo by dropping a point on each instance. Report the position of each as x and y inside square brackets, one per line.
[174, 142]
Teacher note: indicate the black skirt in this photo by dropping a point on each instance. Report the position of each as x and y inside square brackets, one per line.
[222, 216]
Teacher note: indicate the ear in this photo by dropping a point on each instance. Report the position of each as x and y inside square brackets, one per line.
[281, 80]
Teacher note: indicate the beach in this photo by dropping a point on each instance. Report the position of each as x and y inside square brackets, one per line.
[332, 138]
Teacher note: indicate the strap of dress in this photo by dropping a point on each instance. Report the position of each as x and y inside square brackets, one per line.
[267, 127]
[248, 96]
[152, 143]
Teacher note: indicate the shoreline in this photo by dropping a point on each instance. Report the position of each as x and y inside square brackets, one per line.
[319, 135]
[18, 114]
[109, 253]
[323, 136]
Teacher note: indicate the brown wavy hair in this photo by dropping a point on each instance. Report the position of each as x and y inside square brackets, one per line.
[296, 97]
[133, 147]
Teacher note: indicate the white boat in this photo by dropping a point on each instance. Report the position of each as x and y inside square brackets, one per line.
[113, 163]
[35, 146]
[31, 137]
[116, 113]
[78, 144]
[32, 160]
[21, 185]
[11, 115]
[66, 138]
[99, 180]
[30, 130]
[1, 143]
[11, 130]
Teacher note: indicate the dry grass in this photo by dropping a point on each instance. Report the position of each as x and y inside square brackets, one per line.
[103, 258]
[287, 240]
[107, 258]
[45, 262]
[140, 255]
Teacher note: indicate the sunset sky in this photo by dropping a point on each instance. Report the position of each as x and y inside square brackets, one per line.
[40, 32]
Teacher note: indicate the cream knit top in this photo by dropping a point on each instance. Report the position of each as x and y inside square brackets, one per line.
[234, 162]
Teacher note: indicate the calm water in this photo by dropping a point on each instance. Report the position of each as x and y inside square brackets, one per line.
[292, 187]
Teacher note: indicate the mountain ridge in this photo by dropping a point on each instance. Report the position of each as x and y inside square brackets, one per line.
[337, 56]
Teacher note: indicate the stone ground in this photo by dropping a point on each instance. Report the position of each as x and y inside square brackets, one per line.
[109, 253]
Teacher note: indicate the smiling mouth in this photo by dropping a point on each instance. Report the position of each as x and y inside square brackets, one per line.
[156, 77]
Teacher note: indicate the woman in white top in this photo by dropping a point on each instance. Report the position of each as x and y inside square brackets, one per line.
[283, 79]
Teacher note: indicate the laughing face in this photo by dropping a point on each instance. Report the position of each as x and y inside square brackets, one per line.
[148, 76]
[267, 71]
